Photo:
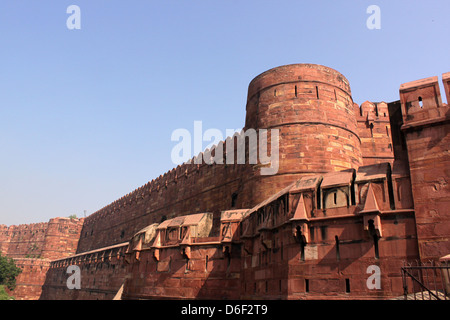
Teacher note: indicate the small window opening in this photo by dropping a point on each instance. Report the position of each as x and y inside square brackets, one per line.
[317, 92]
[302, 251]
[323, 231]
[338, 255]
[347, 285]
[306, 285]
[352, 195]
[375, 243]
[335, 198]
[275, 92]
[234, 199]
[296, 93]
[374, 235]
[420, 102]
[186, 265]
[228, 257]
[319, 200]
[302, 241]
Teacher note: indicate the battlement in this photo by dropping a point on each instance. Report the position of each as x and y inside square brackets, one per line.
[372, 110]
[374, 130]
[166, 195]
[44, 240]
[421, 101]
[187, 171]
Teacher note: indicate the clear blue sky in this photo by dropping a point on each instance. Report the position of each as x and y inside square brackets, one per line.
[86, 116]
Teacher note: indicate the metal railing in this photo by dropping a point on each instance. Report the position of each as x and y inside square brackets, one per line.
[426, 281]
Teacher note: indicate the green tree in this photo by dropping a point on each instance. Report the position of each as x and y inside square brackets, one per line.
[72, 216]
[8, 272]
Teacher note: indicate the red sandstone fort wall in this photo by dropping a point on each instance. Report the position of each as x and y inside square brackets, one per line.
[30, 281]
[188, 189]
[374, 130]
[312, 107]
[33, 246]
[48, 240]
[23, 241]
[102, 274]
[313, 241]
[426, 129]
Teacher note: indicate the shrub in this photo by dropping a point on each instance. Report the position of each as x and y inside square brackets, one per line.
[8, 272]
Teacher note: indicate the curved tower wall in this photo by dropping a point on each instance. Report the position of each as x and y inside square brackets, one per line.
[312, 107]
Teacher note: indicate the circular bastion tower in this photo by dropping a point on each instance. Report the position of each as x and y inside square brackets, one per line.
[312, 107]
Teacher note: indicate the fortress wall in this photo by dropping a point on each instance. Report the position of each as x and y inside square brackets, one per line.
[207, 275]
[23, 241]
[426, 128]
[102, 274]
[374, 129]
[47, 240]
[325, 252]
[311, 105]
[61, 238]
[29, 282]
[314, 240]
[313, 108]
[33, 246]
[188, 189]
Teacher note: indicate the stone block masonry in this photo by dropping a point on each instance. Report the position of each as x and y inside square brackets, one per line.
[359, 187]
[34, 246]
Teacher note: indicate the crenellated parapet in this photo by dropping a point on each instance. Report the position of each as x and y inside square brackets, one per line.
[421, 102]
[374, 129]
[45, 240]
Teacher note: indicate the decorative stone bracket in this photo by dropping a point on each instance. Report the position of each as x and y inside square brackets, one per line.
[186, 252]
[372, 224]
[371, 214]
[300, 232]
[248, 246]
[266, 239]
[300, 223]
[156, 254]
